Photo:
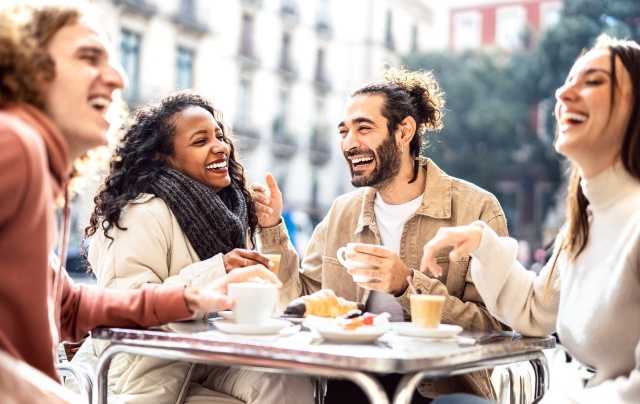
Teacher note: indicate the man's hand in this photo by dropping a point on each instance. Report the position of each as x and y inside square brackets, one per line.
[200, 300]
[239, 257]
[463, 239]
[268, 202]
[385, 269]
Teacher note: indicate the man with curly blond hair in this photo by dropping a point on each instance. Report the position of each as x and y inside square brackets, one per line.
[402, 199]
[57, 81]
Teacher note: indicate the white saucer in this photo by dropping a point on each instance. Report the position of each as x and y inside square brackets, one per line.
[271, 326]
[411, 330]
[226, 314]
[331, 331]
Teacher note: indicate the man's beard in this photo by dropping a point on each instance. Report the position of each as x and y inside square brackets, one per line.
[387, 161]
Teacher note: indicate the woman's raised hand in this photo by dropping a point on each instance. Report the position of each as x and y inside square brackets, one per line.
[240, 257]
[268, 202]
[463, 239]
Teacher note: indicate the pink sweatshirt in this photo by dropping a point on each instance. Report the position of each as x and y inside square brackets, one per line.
[34, 167]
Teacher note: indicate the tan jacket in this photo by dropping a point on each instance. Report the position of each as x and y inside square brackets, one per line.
[447, 201]
[153, 249]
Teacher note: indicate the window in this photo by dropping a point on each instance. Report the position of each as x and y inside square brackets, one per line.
[511, 22]
[130, 54]
[285, 52]
[246, 37]
[388, 31]
[184, 68]
[280, 122]
[187, 8]
[467, 30]
[415, 47]
[243, 115]
[320, 73]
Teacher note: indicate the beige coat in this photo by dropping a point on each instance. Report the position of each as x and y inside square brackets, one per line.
[447, 201]
[153, 249]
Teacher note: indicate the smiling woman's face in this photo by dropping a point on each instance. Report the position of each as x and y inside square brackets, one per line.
[199, 149]
[590, 127]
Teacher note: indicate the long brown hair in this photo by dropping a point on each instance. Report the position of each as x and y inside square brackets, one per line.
[576, 232]
[25, 65]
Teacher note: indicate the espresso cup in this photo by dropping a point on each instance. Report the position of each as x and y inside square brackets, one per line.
[352, 264]
[274, 262]
[426, 310]
[253, 302]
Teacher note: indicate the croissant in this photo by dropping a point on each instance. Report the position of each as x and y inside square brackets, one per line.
[323, 303]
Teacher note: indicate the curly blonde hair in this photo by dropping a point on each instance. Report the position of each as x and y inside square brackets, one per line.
[25, 65]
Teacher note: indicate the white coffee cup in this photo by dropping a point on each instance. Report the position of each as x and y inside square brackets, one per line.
[352, 264]
[253, 302]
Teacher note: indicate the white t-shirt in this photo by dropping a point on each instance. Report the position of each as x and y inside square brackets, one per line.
[390, 220]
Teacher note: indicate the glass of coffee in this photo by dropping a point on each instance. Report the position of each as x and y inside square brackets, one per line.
[426, 310]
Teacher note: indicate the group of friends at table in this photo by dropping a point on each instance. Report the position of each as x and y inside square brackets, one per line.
[175, 222]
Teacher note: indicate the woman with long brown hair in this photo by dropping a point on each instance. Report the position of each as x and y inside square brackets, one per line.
[589, 292]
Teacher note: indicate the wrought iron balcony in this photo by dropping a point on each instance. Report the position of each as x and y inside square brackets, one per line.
[319, 147]
[284, 144]
[246, 137]
[139, 7]
[186, 19]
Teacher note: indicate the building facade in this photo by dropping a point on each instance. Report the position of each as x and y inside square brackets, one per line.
[504, 24]
[279, 70]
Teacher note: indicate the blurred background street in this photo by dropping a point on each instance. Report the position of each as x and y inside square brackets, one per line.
[281, 71]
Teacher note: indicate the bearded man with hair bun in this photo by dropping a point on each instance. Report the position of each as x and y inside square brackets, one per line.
[402, 199]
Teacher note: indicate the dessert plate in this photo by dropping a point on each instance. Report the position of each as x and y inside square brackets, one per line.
[330, 330]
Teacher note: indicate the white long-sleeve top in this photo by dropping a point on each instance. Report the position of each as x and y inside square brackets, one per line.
[593, 302]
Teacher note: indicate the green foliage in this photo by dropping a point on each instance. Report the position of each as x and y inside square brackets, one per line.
[488, 134]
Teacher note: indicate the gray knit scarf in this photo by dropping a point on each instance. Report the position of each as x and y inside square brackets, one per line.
[214, 221]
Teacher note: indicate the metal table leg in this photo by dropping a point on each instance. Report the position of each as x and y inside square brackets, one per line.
[409, 383]
[367, 383]
[80, 375]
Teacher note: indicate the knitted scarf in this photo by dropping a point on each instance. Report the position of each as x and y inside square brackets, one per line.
[213, 221]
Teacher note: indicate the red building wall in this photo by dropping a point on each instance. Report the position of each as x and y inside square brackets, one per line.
[488, 17]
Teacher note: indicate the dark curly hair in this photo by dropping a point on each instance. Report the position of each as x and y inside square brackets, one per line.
[409, 93]
[143, 151]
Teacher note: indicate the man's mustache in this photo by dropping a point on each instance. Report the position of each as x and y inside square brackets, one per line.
[358, 152]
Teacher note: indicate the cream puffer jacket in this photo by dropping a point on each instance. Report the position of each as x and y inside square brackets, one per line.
[152, 249]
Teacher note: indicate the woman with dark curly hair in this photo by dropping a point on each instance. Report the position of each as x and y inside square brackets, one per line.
[174, 209]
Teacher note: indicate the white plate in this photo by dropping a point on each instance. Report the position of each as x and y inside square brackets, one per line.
[271, 326]
[331, 331]
[411, 330]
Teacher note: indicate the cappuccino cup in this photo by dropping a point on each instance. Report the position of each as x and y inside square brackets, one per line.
[341, 254]
[426, 310]
[253, 302]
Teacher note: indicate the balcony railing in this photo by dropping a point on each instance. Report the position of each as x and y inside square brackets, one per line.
[283, 144]
[247, 137]
[319, 148]
[188, 21]
[138, 7]
[289, 12]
